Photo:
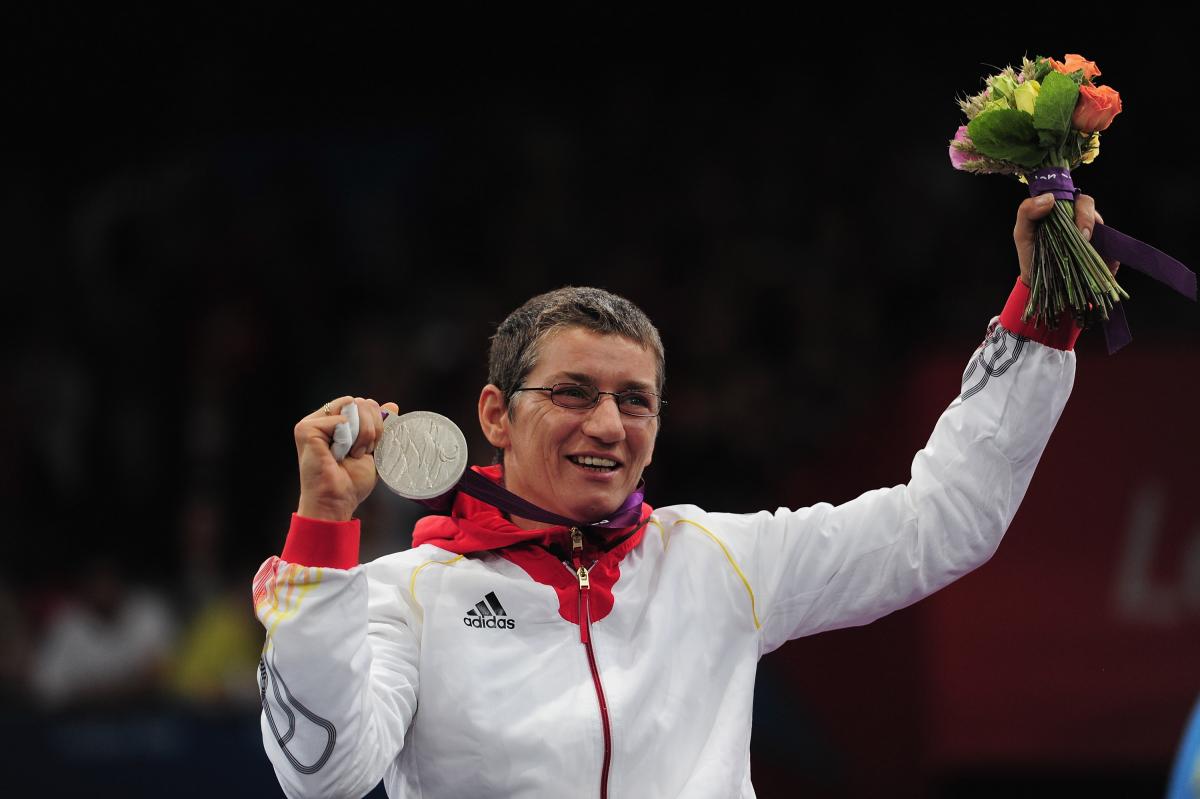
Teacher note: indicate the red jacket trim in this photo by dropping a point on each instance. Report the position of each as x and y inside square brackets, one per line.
[1061, 338]
[316, 542]
[475, 527]
[548, 570]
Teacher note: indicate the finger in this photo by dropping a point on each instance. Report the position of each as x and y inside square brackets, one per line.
[391, 408]
[375, 415]
[333, 406]
[366, 430]
[1028, 213]
[1085, 215]
[312, 429]
[324, 424]
[368, 422]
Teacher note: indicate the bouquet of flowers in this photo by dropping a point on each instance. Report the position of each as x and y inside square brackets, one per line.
[1038, 123]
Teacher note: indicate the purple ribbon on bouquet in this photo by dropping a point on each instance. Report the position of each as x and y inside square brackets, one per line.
[1113, 245]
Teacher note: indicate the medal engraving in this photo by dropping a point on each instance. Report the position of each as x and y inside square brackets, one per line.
[421, 455]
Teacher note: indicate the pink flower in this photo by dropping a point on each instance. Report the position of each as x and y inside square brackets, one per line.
[957, 157]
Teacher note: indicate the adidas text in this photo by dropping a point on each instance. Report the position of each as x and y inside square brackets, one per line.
[491, 623]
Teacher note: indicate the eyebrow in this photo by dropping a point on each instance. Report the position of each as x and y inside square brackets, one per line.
[579, 377]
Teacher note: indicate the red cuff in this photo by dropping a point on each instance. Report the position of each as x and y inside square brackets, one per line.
[316, 542]
[1062, 338]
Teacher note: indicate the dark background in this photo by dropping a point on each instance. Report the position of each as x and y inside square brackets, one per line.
[214, 221]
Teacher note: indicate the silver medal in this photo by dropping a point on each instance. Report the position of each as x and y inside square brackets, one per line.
[421, 454]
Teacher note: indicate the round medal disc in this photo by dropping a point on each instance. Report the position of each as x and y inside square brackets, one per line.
[421, 455]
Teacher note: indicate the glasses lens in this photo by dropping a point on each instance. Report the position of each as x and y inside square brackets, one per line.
[638, 403]
[570, 395]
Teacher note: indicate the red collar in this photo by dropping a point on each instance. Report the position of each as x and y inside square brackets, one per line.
[475, 526]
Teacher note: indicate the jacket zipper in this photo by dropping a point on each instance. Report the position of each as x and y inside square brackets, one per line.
[585, 637]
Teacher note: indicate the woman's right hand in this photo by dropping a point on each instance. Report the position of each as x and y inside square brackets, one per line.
[330, 489]
[1035, 208]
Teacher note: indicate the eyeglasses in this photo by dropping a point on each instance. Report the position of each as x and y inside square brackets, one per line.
[581, 397]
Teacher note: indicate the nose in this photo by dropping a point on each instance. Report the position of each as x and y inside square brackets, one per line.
[604, 421]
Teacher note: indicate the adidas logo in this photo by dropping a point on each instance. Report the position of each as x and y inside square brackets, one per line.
[489, 613]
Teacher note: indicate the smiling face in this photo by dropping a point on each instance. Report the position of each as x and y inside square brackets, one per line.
[546, 446]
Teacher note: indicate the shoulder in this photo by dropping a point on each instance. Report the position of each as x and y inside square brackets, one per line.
[725, 534]
[695, 516]
[738, 537]
[399, 567]
[674, 513]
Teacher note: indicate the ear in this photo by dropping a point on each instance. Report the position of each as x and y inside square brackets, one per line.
[493, 416]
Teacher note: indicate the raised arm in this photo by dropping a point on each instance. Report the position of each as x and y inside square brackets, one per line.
[826, 566]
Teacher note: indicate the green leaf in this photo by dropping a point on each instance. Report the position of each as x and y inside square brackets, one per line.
[1055, 105]
[1007, 135]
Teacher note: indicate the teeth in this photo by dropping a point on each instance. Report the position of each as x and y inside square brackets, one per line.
[588, 460]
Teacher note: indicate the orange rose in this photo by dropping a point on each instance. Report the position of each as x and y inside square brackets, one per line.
[1075, 61]
[1096, 107]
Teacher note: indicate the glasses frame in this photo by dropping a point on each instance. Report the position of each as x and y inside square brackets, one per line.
[616, 395]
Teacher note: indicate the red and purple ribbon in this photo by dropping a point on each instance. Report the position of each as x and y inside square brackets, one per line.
[1113, 245]
[476, 485]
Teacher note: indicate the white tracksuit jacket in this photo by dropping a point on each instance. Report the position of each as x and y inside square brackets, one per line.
[452, 676]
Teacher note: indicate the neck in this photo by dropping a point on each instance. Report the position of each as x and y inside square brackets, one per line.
[529, 516]
[528, 524]
[521, 521]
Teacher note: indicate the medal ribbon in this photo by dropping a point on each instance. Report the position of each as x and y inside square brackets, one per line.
[1113, 245]
[476, 485]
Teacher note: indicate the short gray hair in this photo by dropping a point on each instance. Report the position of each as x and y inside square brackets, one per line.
[518, 339]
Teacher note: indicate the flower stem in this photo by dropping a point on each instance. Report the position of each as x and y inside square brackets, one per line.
[1068, 274]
